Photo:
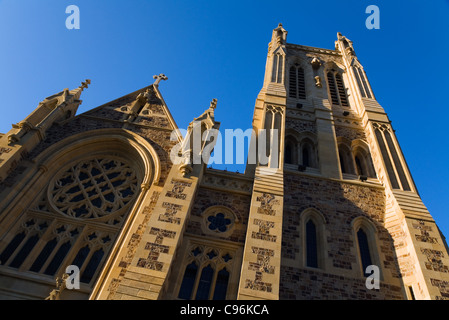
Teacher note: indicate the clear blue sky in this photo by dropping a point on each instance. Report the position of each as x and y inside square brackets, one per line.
[217, 49]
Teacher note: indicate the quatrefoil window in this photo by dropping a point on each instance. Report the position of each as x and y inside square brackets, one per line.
[94, 188]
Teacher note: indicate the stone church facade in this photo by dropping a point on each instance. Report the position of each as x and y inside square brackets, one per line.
[99, 191]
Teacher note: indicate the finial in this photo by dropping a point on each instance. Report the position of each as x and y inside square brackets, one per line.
[85, 84]
[159, 78]
[213, 104]
[280, 24]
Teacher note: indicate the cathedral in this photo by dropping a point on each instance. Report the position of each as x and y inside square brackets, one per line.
[332, 211]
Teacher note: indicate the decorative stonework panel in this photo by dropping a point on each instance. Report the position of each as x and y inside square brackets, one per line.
[443, 286]
[156, 248]
[227, 183]
[267, 202]
[425, 235]
[434, 260]
[170, 212]
[300, 125]
[350, 133]
[261, 266]
[177, 191]
[264, 230]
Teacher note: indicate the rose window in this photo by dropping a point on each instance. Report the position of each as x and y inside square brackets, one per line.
[94, 188]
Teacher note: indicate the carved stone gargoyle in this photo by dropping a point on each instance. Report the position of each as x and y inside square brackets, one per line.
[316, 63]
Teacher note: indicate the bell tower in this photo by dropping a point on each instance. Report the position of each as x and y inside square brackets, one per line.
[334, 194]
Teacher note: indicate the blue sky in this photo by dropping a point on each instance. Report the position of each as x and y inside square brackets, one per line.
[217, 49]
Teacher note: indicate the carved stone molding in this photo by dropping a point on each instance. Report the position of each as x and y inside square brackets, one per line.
[227, 183]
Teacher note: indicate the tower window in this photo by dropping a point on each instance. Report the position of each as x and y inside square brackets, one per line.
[278, 64]
[337, 89]
[362, 83]
[308, 153]
[313, 239]
[359, 166]
[291, 150]
[297, 85]
[311, 245]
[387, 160]
[273, 127]
[345, 155]
[332, 88]
[397, 161]
[305, 156]
[341, 90]
[364, 250]
[288, 154]
[342, 163]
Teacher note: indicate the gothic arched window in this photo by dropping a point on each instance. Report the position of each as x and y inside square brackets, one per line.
[397, 161]
[297, 85]
[337, 88]
[188, 281]
[311, 245]
[270, 137]
[387, 160]
[306, 156]
[278, 66]
[288, 153]
[308, 153]
[313, 238]
[360, 169]
[291, 150]
[75, 221]
[363, 162]
[362, 82]
[364, 249]
[345, 156]
[221, 285]
[205, 283]
[207, 274]
[365, 235]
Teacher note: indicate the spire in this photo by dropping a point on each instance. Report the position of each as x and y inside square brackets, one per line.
[208, 115]
[57, 107]
[76, 93]
[344, 45]
[195, 142]
[213, 106]
[279, 36]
